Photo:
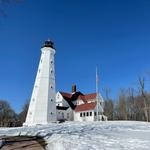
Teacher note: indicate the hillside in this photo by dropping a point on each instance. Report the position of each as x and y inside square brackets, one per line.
[117, 135]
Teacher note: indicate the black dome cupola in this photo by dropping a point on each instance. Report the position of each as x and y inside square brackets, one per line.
[48, 43]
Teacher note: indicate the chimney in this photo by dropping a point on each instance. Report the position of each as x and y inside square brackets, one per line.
[73, 88]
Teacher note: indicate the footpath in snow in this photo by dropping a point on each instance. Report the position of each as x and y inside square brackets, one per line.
[110, 135]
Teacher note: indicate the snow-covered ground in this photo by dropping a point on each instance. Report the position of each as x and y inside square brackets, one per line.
[110, 135]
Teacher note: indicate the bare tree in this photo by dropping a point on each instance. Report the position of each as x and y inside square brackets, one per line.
[109, 109]
[122, 105]
[22, 115]
[108, 106]
[130, 104]
[143, 95]
[7, 114]
[107, 92]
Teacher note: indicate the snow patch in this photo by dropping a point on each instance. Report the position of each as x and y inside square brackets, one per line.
[110, 135]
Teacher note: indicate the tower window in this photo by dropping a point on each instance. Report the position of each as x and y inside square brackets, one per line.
[51, 86]
[33, 99]
[80, 114]
[51, 113]
[51, 71]
[51, 62]
[51, 100]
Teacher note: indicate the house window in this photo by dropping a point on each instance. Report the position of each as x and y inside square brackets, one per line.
[90, 113]
[84, 114]
[87, 114]
[51, 62]
[80, 114]
[51, 100]
[51, 113]
[94, 113]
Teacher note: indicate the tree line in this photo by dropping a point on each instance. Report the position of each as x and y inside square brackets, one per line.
[9, 118]
[131, 104]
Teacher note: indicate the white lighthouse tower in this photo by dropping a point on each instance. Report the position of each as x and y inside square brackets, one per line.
[42, 108]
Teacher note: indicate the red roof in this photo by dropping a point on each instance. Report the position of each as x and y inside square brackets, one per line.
[78, 95]
[85, 107]
[87, 96]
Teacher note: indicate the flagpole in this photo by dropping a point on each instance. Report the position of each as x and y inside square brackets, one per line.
[97, 92]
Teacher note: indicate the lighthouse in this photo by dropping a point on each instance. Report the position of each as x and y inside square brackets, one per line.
[42, 107]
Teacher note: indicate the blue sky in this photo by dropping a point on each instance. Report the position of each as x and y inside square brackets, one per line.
[113, 34]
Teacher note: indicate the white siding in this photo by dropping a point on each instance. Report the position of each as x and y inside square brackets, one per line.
[59, 99]
[65, 104]
[77, 116]
[42, 108]
[65, 114]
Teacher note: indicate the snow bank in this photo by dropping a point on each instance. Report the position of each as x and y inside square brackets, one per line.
[110, 135]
